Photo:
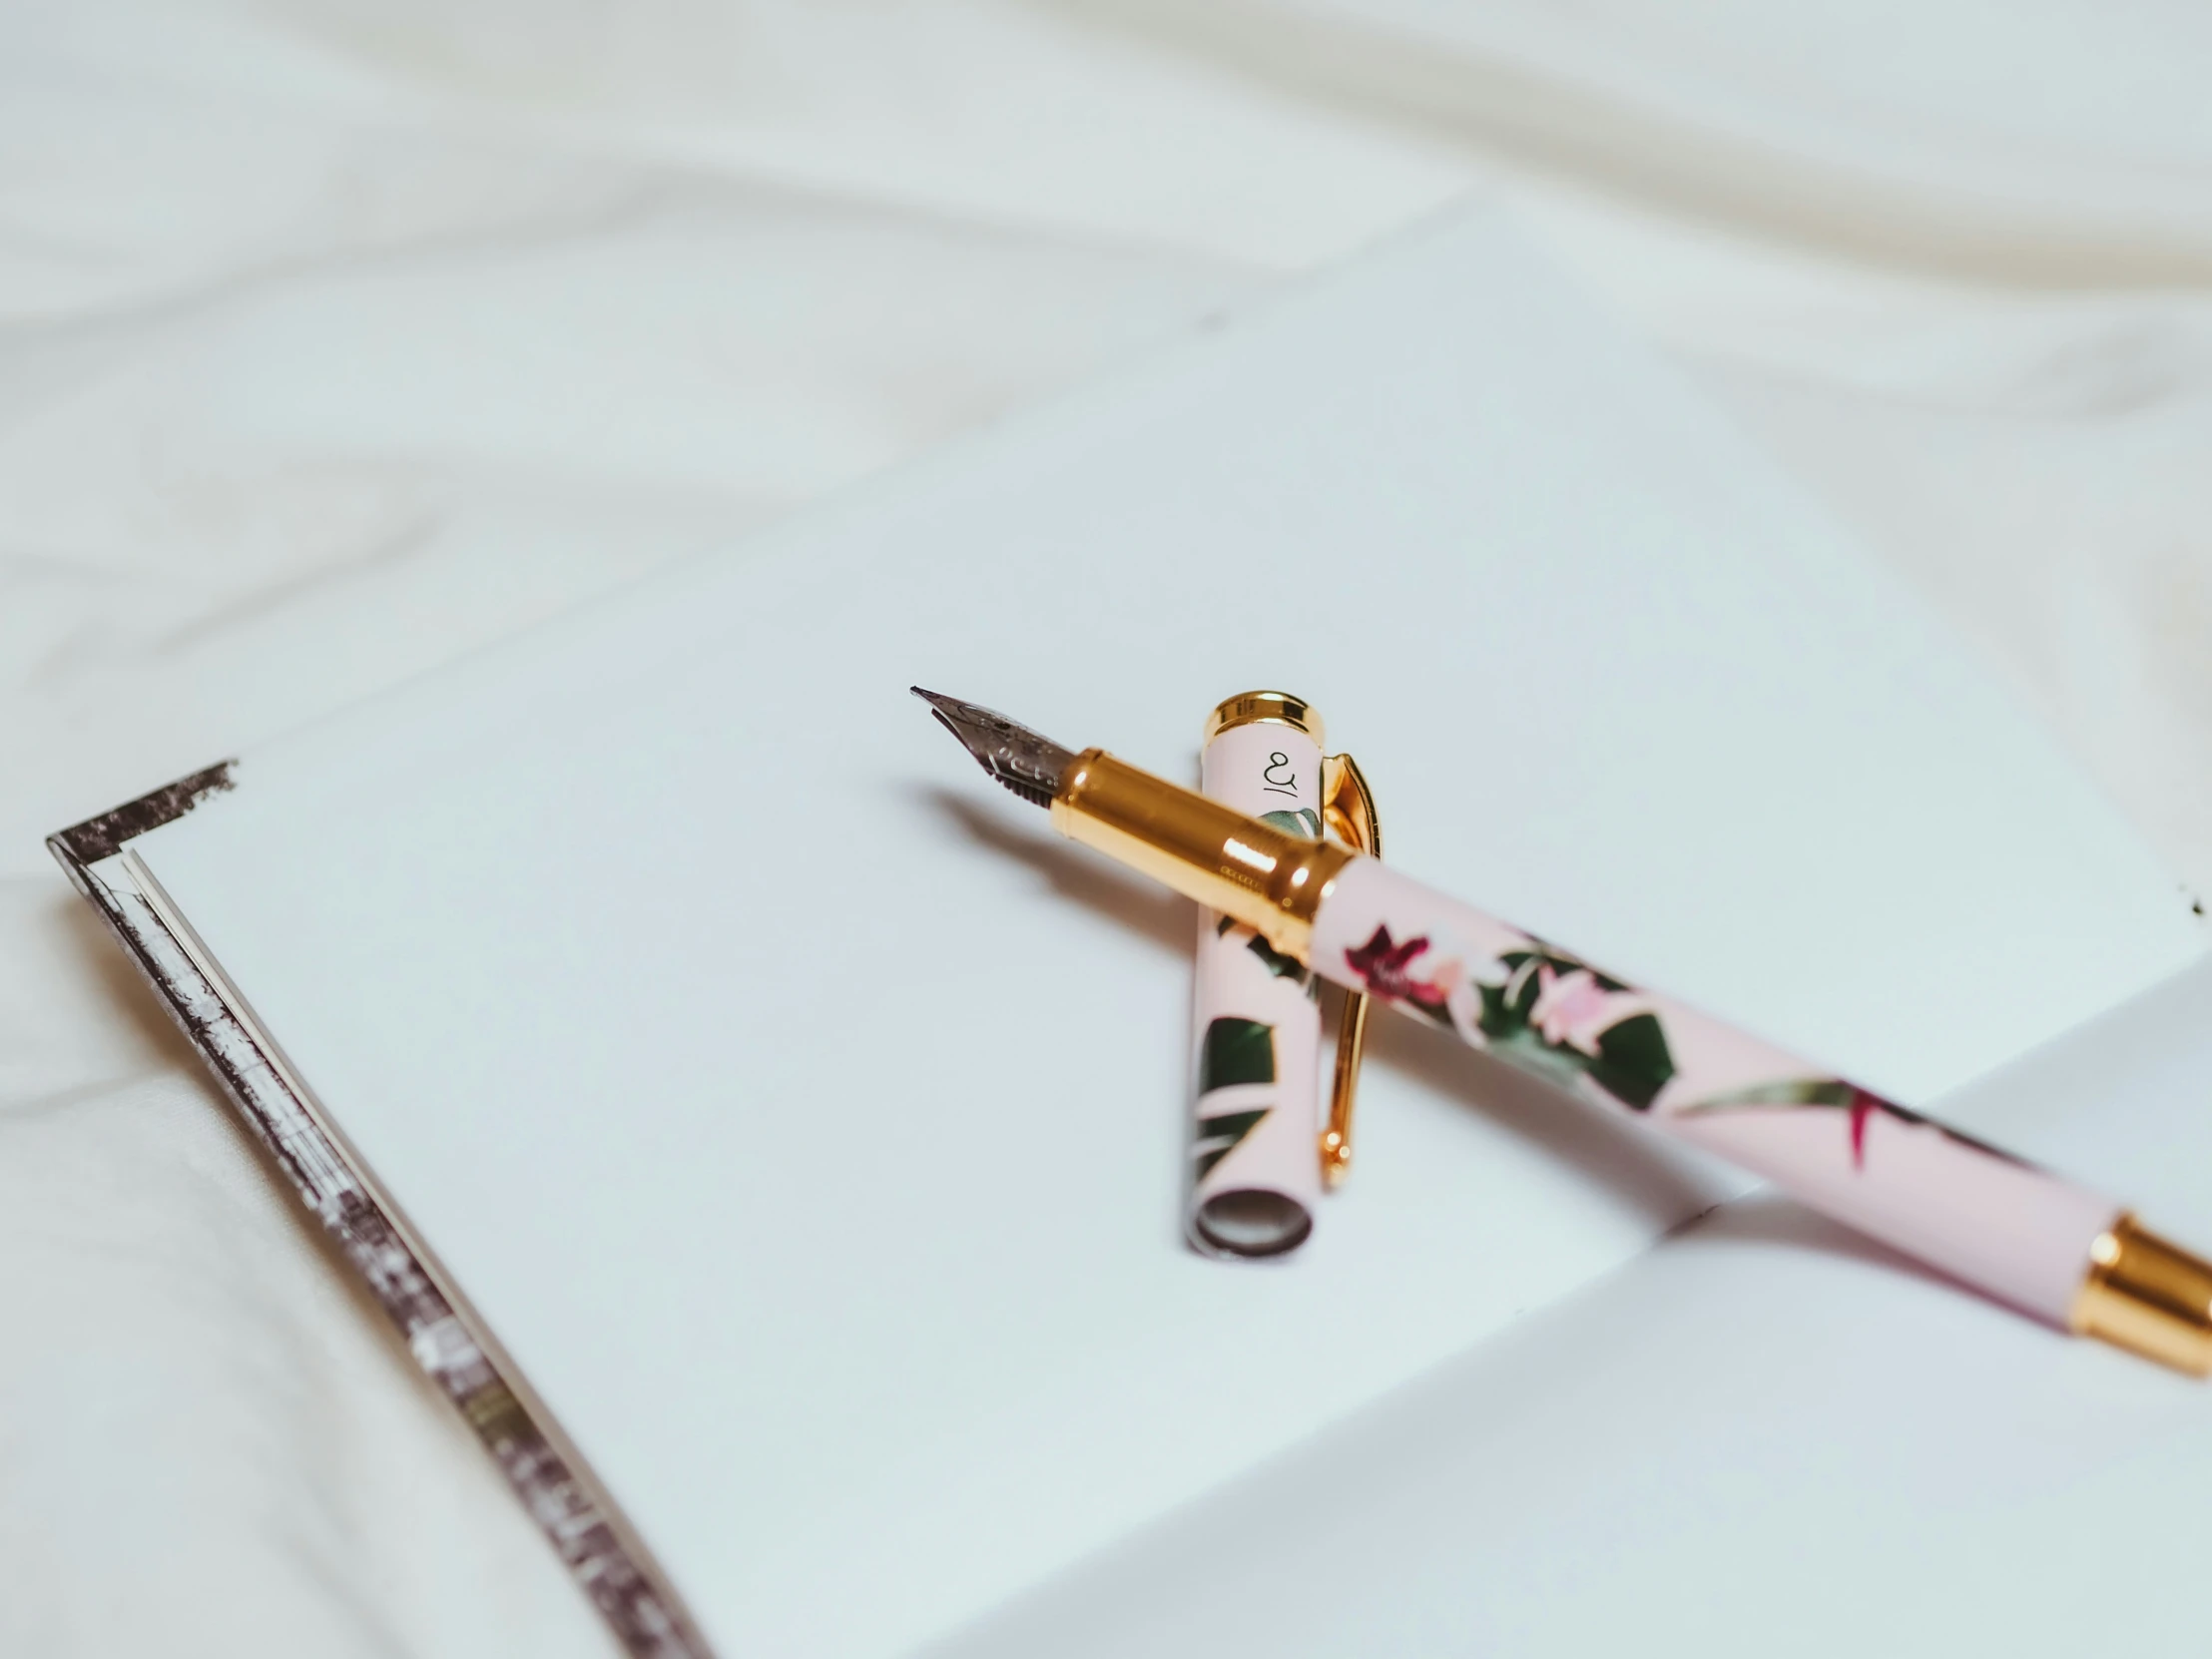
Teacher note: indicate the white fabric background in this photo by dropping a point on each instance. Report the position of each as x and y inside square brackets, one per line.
[339, 335]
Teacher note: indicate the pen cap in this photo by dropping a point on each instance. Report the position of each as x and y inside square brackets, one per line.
[1255, 1016]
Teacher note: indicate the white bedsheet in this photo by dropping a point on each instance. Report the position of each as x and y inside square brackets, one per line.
[337, 336]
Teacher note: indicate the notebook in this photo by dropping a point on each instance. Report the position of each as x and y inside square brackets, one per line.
[1761, 1436]
[772, 1139]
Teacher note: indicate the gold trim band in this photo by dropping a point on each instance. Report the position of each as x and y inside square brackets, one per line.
[1272, 883]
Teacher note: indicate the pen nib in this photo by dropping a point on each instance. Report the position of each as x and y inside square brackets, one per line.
[1026, 763]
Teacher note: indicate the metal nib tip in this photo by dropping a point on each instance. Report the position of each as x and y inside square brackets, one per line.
[1026, 761]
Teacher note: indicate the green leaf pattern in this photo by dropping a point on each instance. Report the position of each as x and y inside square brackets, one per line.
[1305, 821]
[1235, 1050]
[1556, 1015]
[1281, 966]
[1861, 1107]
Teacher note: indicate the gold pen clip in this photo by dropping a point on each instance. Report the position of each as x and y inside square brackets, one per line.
[1347, 812]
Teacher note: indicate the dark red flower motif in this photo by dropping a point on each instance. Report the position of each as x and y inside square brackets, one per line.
[1863, 1106]
[1383, 965]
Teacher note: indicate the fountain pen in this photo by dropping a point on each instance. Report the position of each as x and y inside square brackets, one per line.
[2043, 1244]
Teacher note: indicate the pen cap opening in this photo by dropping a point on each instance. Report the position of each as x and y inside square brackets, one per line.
[1251, 1222]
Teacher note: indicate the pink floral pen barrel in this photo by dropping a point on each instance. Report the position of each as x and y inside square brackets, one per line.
[2015, 1231]
[1256, 1013]
[2045, 1245]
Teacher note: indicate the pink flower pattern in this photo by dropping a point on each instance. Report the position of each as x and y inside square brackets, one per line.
[1571, 1008]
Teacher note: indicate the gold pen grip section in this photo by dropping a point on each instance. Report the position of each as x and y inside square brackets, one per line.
[1270, 882]
[2149, 1297]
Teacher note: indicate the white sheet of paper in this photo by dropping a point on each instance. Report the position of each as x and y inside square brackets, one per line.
[1762, 1437]
[806, 1119]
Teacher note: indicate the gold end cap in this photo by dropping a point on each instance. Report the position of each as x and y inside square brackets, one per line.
[1273, 706]
[2148, 1296]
